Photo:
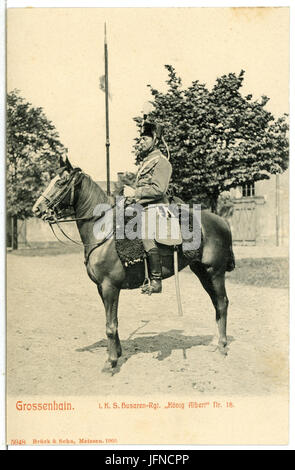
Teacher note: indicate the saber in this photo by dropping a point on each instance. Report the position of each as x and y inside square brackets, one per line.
[175, 256]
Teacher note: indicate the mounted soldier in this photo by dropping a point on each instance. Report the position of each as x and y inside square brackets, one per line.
[151, 186]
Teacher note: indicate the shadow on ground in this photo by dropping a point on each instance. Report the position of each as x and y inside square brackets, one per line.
[162, 343]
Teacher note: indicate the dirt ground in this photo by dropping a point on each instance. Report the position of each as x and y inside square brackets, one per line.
[56, 343]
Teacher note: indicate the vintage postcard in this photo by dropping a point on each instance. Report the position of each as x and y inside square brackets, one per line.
[147, 220]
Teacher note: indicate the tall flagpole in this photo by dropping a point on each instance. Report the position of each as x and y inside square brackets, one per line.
[107, 109]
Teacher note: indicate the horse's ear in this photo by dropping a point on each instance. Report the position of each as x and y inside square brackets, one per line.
[65, 163]
[68, 165]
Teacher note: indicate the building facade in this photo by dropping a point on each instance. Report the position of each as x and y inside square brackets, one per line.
[261, 212]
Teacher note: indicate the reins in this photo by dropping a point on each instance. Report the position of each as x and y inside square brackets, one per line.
[94, 218]
[97, 244]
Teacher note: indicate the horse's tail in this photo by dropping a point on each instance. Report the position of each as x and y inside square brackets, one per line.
[231, 263]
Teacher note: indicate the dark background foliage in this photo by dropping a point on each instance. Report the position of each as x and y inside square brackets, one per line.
[218, 139]
[33, 150]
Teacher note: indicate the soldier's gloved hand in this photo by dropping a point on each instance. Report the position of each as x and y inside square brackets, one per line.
[129, 200]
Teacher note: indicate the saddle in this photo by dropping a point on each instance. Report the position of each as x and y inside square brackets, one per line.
[169, 234]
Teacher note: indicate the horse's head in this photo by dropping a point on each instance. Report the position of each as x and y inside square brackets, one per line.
[59, 194]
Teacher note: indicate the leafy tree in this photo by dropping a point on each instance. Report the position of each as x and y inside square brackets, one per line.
[33, 152]
[218, 139]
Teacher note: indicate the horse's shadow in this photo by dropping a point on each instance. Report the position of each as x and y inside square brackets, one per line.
[163, 344]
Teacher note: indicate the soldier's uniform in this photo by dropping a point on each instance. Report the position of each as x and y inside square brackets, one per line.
[151, 186]
[152, 179]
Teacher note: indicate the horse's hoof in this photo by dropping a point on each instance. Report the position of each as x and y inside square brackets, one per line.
[223, 349]
[113, 363]
[109, 367]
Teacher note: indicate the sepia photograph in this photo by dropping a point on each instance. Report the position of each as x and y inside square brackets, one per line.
[147, 225]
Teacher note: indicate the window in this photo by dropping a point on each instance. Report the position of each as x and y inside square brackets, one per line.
[248, 189]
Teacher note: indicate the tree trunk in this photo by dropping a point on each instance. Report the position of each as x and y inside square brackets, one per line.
[14, 240]
[213, 203]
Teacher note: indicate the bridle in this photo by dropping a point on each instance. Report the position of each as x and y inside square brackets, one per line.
[52, 205]
[53, 218]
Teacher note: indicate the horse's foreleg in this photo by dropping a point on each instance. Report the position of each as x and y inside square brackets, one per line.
[110, 296]
[214, 284]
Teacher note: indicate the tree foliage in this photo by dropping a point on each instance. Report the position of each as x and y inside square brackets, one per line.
[33, 152]
[218, 139]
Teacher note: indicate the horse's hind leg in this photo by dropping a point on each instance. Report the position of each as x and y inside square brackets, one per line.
[110, 297]
[221, 307]
[214, 283]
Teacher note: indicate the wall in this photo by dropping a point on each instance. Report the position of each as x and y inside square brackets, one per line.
[40, 232]
[272, 209]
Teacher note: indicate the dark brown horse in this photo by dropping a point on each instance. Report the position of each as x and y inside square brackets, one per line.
[71, 188]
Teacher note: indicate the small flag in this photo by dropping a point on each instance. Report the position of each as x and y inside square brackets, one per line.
[102, 85]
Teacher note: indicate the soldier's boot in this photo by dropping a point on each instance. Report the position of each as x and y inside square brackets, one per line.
[155, 270]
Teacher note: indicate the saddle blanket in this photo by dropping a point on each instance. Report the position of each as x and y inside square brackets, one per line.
[172, 229]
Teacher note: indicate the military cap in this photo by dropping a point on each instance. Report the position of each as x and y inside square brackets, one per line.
[151, 129]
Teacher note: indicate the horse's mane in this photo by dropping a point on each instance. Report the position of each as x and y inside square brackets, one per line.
[91, 194]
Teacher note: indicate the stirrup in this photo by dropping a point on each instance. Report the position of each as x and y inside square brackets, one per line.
[151, 289]
[146, 286]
